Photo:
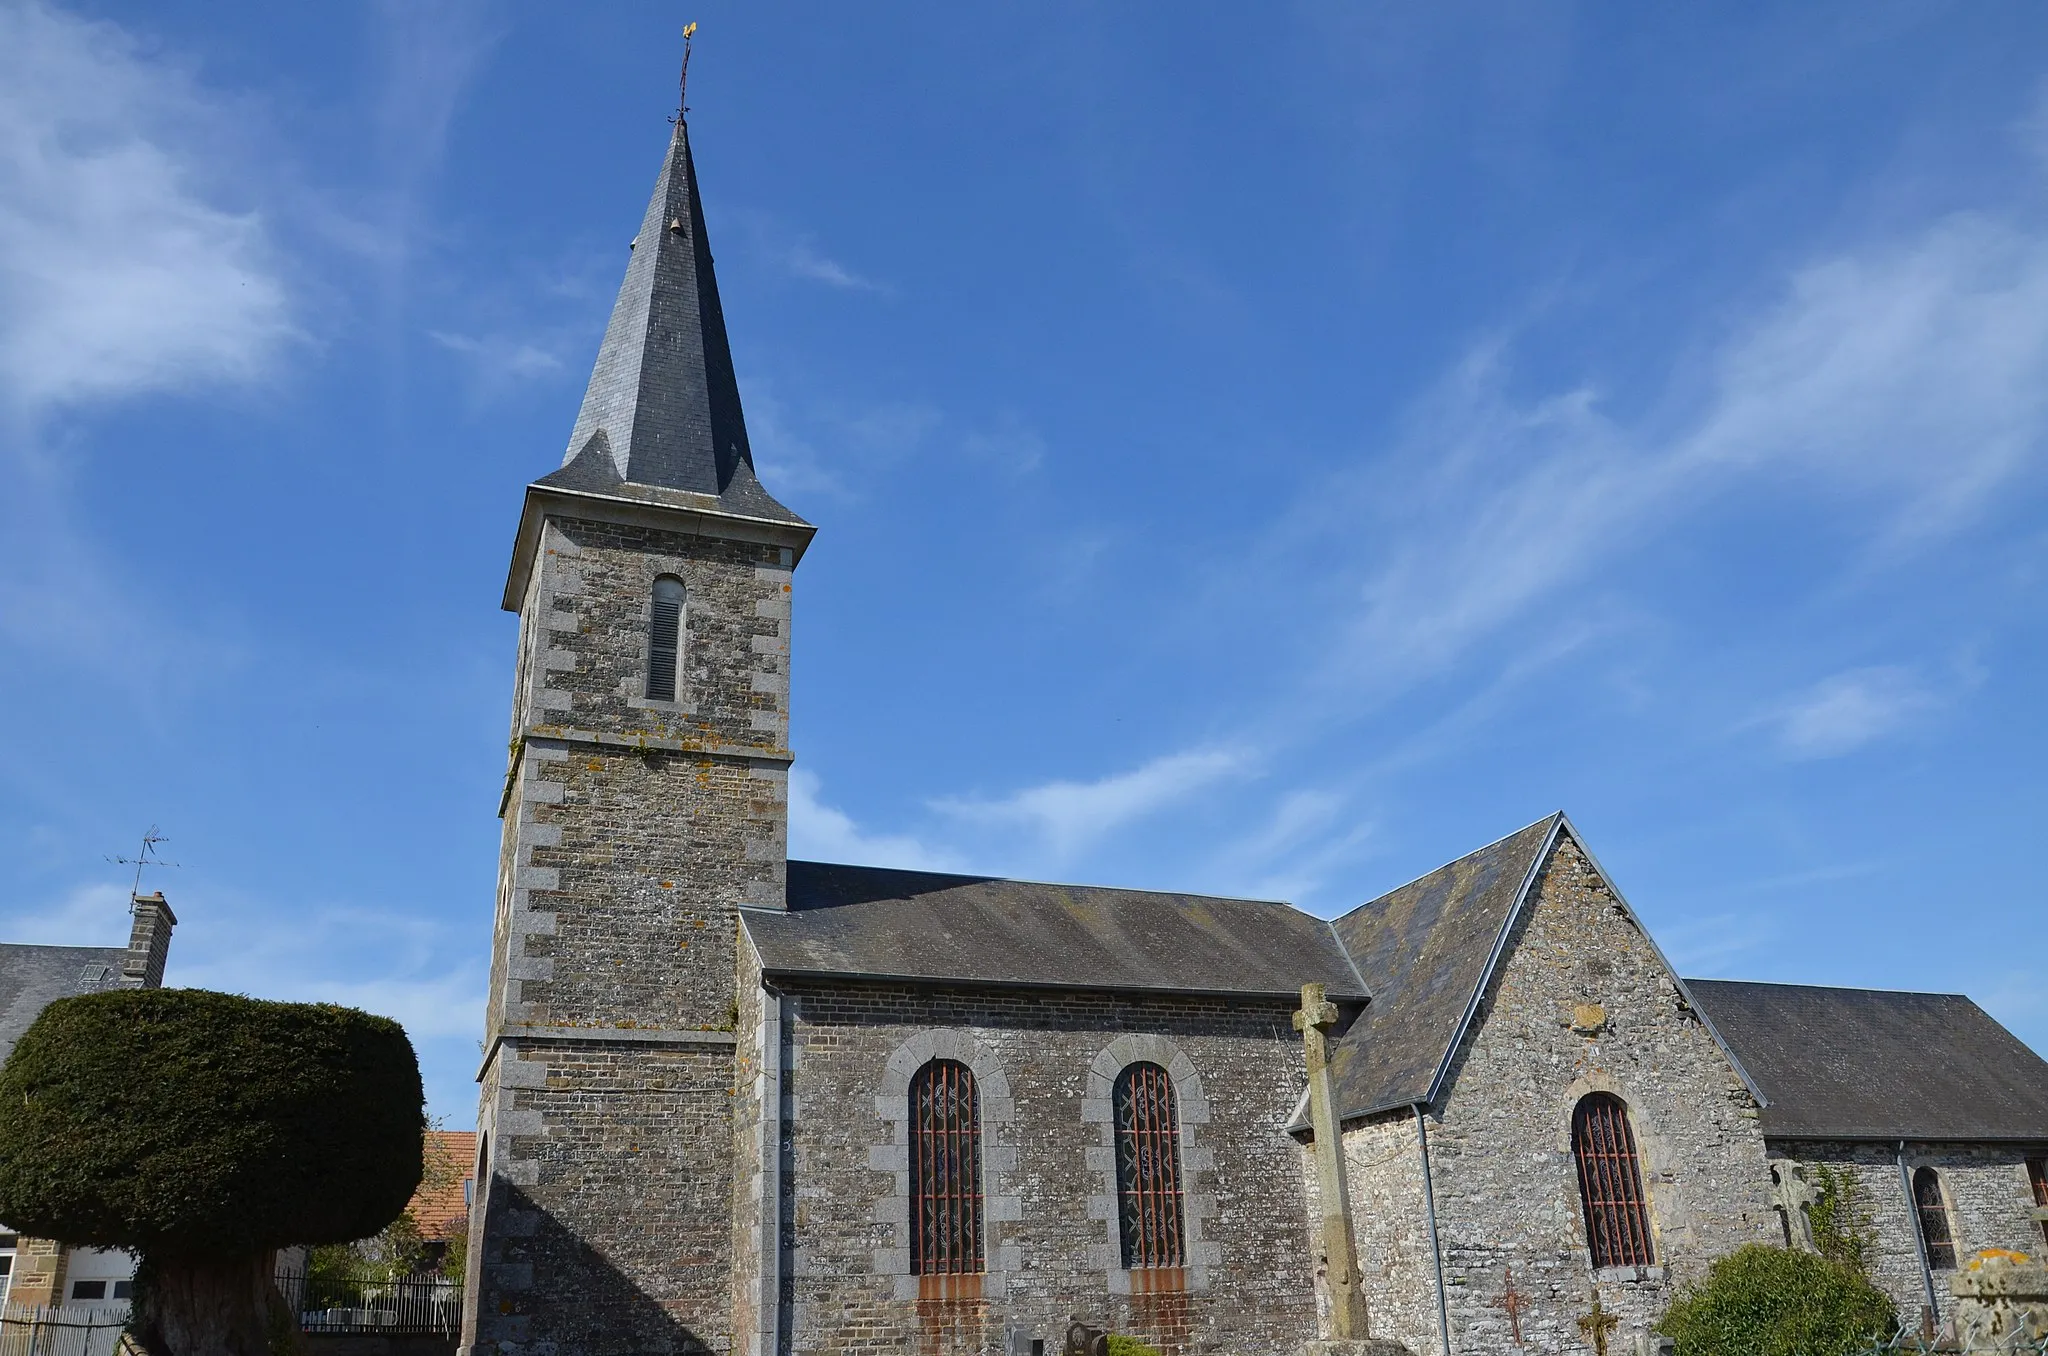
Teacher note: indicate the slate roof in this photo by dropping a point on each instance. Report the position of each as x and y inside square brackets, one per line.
[662, 411]
[1873, 1064]
[32, 976]
[1423, 951]
[875, 923]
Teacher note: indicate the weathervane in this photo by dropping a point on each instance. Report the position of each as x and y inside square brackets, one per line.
[146, 857]
[683, 85]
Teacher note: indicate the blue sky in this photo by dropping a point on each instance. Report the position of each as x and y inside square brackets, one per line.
[1265, 451]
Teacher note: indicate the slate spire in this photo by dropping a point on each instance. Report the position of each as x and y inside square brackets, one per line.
[663, 406]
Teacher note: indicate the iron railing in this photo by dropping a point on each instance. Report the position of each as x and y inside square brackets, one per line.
[61, 1330]
[407, 1306]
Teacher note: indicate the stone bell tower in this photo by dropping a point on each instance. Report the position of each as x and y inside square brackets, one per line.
[644, 803]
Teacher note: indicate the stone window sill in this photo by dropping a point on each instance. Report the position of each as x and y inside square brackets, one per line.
[1630, 1275]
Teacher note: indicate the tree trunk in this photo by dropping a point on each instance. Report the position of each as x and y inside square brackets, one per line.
[212, 1306]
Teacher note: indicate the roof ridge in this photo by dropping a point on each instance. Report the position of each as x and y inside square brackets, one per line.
[1839, 988]
[1441, 866]
[1061, 884]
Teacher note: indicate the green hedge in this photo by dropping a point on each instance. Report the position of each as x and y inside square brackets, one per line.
[180, 1121]
[1763, 1301]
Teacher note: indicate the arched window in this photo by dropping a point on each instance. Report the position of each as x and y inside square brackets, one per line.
[2037, 1178]
[664, 638]
[1933, 1212]
[1611, 1183]
[945, 1171]
[1148, 1182]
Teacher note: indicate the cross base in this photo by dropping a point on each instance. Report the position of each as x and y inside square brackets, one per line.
[1371, 1346]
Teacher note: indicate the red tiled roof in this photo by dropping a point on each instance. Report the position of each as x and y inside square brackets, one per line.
[440, 1206]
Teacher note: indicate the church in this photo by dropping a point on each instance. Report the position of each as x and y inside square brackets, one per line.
[735, 1103]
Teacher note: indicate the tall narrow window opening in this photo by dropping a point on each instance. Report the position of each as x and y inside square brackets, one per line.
[1933, 1211]
[664, 638]
[1611, 1183]
[2037, 1178]
[945, 1171]
[1148, 1179]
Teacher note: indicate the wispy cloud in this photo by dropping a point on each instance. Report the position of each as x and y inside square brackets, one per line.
[1904, 377]
[803, 260]
[499, 362]
[1066, 817]
[822, 832]
[88, 915]
[119, 272]
[1843, 713]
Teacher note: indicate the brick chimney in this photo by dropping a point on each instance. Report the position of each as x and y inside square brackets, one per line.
[149, 943]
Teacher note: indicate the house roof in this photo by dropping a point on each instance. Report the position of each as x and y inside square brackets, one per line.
[441, 1205]
[875, 923]
[1873, 1064]
[1424, 950]
[32, 976]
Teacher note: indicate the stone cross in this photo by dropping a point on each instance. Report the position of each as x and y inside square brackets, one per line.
[1597, 1325]
[1792, 1198]
[1511, 1300]
[1340, 1248]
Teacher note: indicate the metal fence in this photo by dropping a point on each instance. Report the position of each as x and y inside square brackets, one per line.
[62, 1330]
[1917, 1344]
[409, 1306]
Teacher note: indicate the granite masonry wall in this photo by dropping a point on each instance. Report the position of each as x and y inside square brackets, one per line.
[634, 831]
[1500, 1140]
[1043, 1065]
[1990, 1205]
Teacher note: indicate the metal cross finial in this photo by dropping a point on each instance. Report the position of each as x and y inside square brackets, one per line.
[1597, 1325]
[683, 83]
[1511, 1300]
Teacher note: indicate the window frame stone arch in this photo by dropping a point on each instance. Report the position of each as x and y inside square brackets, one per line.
[1947, 1211]
[1197, 1161]
[1000, 1201]
[676, 647]
[633, 684]
[1639, 1157]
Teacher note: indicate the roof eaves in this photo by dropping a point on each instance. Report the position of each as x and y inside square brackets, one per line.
[1042, 985]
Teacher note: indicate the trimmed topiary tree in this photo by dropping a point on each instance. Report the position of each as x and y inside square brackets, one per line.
[1764, 1301]
[205, 1131]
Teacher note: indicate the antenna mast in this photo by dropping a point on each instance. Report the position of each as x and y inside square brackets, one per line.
[148, 856]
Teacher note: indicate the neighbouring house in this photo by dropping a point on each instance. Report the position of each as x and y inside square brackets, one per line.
[440, 1208]
[38, 1271]
[736, 1103]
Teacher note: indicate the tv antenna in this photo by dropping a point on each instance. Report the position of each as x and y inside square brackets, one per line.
[147, 856]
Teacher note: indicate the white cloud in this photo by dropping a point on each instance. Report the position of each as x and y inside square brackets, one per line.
[1905, 377]
[119, 274]
[499, 364]
[89, 915]
[803, 260]
[1841, 714]
[820, 832]
[1067, 816]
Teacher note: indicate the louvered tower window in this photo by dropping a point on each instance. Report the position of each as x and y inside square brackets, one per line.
[1611, 1183]
[664, 638]
[945, 1171]
[1933, 1211]
[1148, 1181]
[2037, 1178]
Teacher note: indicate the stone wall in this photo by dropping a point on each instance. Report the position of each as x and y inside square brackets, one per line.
[634, 831]
[1383, 1167]
[1040, 1062]
[1990, 1204]
[1500, 1140]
